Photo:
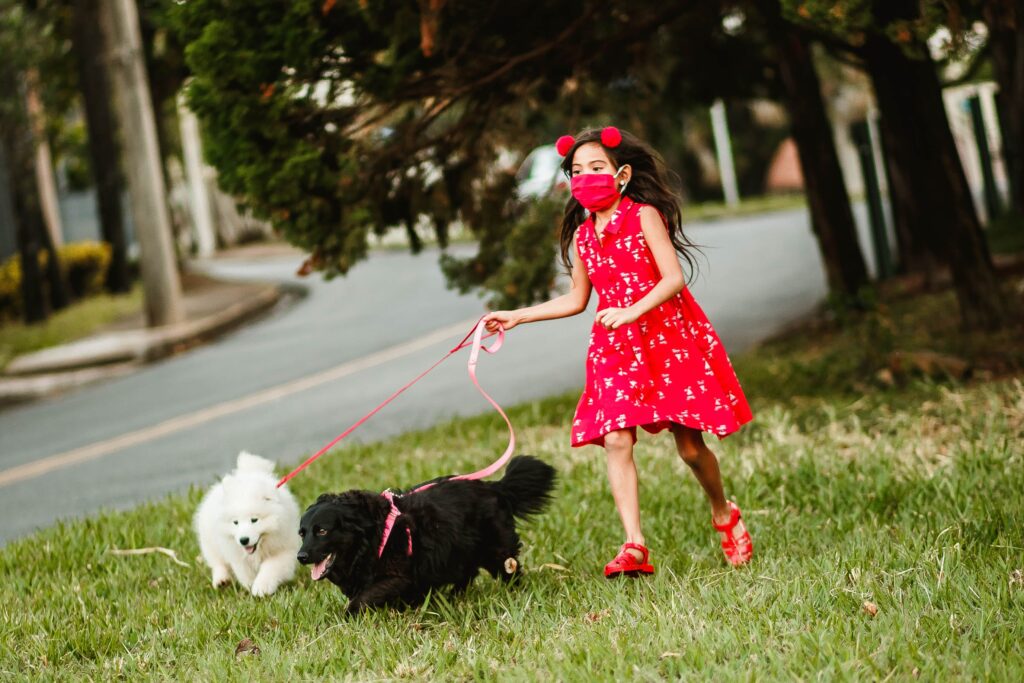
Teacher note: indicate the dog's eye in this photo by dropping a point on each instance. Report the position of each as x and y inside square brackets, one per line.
[321, 532]
[252, 521]
[235, 522]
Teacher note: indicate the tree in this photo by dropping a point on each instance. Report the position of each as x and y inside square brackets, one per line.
[339, 119]
[831, 216]
[25, 41]
[104, 148]
[887, 36]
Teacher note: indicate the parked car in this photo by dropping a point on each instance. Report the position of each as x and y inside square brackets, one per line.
[540, 174]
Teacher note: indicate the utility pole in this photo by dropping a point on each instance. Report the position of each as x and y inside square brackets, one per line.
[119, 20]
[199, 197]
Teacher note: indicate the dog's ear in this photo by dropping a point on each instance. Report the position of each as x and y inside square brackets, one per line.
[359, 511]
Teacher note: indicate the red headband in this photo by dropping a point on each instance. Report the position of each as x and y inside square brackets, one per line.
[610, 137]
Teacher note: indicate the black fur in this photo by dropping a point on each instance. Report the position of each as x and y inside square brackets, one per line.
[458, 527]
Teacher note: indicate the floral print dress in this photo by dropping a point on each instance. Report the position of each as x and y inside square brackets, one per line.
[668, 366]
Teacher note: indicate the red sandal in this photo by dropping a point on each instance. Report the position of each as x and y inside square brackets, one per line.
[625, 563]
[738, 551]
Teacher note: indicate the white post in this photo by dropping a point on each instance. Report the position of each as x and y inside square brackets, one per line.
[146, 189]
[723, 149]
[199, 197]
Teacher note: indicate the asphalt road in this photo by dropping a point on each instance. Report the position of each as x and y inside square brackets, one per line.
[284, 386]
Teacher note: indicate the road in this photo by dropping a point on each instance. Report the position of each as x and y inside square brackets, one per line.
[286, 385]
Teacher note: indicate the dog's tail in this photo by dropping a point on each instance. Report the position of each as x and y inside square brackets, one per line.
[527, 485]
[254, 463]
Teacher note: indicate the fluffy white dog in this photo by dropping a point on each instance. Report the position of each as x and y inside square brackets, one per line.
[250, 528]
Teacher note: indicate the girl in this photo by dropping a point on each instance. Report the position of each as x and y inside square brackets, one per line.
[654, 360]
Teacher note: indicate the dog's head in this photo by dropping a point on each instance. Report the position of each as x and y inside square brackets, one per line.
[339, 526]
[252, 508]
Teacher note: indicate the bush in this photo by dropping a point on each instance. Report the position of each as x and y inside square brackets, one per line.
[86, 265]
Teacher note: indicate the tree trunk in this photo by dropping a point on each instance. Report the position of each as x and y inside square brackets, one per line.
[48, 199]
[1005, 20]
[20, 139]
[829, 203]
[104, 149]
[921, 147]
[16, 153]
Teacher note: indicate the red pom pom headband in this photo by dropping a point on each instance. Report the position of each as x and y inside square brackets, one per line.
[610, 137]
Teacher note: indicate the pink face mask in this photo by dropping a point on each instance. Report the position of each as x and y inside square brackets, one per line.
[596, 191]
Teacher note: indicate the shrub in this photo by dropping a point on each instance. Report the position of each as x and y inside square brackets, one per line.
[86, 265]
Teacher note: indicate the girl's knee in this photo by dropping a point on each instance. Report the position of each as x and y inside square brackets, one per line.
[689, 443]
[618, 442]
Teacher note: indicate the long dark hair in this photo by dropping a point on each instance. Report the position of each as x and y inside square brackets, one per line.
[649, 184]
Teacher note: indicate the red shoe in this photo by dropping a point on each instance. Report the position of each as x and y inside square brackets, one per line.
[625, 563]
[738, 551]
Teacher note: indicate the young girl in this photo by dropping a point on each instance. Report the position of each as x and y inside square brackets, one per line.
[654, 360]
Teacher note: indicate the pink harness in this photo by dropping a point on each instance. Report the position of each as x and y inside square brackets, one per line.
[477, 333]
[389, 524]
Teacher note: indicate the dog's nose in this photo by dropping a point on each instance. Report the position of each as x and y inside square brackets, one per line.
[244, 540]
[302, 557]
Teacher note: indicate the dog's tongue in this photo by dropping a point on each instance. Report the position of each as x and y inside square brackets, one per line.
[320, 568]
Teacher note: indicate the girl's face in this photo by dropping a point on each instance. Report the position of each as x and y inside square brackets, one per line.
[591, 157]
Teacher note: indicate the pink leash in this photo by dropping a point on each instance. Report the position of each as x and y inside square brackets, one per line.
[477, 333]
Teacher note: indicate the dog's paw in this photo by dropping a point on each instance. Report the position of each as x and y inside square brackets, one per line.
[263, 586]
[221, 576]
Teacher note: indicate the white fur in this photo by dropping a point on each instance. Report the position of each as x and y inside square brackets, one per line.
[224, 518]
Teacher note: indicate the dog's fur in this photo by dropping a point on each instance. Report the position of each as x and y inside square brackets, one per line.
[457, 526]
[246, 526]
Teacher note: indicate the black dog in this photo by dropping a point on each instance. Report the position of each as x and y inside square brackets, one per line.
[455, 526]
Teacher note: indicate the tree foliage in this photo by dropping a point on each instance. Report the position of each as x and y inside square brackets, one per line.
[335, 120]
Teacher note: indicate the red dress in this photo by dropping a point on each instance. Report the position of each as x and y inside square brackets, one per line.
[668, 366]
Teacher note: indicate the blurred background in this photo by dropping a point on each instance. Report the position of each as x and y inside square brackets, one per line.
[137, 136]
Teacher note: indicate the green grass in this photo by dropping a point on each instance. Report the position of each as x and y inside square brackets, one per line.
[1006, 234]
[906, 497]
[748, 206]
[826, 359]
[78, 320]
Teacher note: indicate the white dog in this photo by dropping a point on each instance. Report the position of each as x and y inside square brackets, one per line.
[249, 527]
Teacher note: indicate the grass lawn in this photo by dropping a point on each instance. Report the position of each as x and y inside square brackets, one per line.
[907, 497]
[1006, 234]
[747, 206]
[78, 320]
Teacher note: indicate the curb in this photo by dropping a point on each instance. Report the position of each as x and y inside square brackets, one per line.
[114, 354]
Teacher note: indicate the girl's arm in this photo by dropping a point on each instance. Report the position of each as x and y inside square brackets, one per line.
[571, 303]
[671, 282]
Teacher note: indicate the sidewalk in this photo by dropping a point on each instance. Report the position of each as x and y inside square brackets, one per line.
[212, 308]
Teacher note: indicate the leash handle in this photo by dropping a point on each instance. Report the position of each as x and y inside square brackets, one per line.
[474, 355]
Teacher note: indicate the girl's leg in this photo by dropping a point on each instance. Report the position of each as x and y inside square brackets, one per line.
[704, 465]
[623, 481]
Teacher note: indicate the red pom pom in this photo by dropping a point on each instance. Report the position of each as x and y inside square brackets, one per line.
[564, 144]
[611, 137]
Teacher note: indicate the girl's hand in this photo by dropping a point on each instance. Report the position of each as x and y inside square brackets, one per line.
[613, 318]
[506, 319]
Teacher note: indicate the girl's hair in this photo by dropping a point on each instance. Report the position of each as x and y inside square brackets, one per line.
[649, 184]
